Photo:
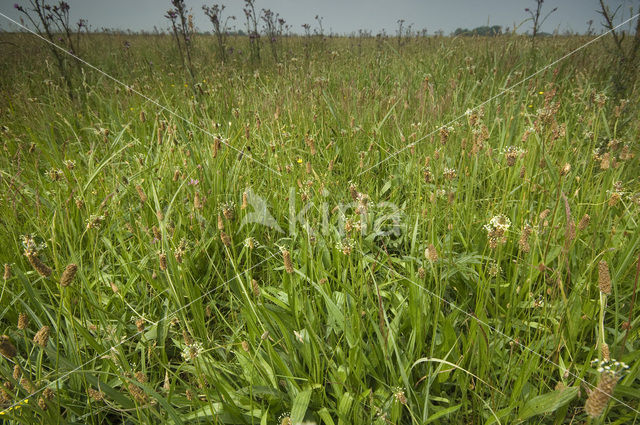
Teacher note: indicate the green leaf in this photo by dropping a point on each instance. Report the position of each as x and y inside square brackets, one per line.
[325, 416]
[442, 413]
[547, 403]
[299, 407]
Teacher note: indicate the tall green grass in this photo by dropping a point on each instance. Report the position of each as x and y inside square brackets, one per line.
[368, 327]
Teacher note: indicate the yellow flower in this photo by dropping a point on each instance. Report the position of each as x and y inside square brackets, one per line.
[299, 160]
[540, 92]
[530, 106]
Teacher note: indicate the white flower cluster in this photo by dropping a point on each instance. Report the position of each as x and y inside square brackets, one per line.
[498, 222]
[612, 366]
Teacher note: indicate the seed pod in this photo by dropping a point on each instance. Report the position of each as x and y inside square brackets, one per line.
[7, 271]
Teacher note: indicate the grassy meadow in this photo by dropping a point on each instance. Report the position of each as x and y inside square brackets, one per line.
[302, 242]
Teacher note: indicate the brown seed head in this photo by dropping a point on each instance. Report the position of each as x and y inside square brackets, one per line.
[245, 201]
[140, 377]
[255, 287]
[584, 222]
[141, 194]
[140, 324]
[604, 278]
[27, 385]
[42, 336]
[229, 212]
[156, 233]
[7, 349]
[599, 397]
[604, 350]
[68, 275]
[226, 240]
[48, 394]
[163, 261]
[137, 393]
[431, 253]
[7, 271]
[23, 321]
[286, 256]
[37, 264]
[95, 394]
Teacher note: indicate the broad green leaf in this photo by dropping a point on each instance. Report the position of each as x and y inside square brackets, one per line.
[299, 407]
[547, 403]
[442, 413]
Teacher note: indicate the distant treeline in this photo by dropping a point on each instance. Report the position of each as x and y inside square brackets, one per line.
[482, 31]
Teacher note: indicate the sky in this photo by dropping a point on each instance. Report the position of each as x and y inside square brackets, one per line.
[344, 16]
